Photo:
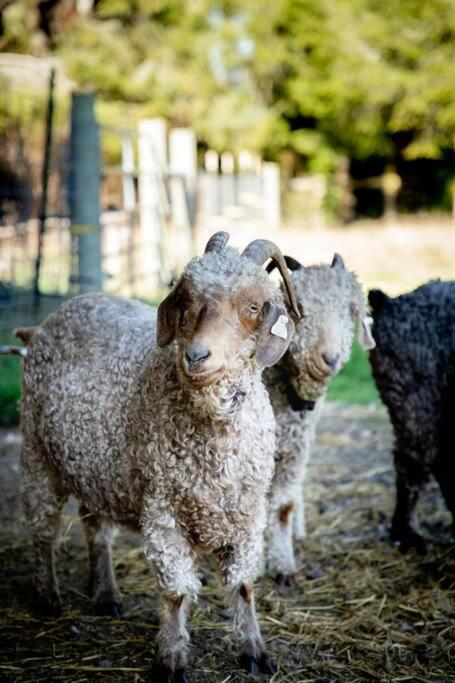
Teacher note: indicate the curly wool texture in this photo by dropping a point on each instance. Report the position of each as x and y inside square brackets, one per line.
[414, 368]
[327, 296]
[331, 299]
[106, 418]
[226, 271]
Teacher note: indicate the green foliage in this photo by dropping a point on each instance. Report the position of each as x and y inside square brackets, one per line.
[355, 383]
[10, 386]
[325, 79]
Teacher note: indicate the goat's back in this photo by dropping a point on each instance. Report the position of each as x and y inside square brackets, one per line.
[420, 323]
[414, 359]
[81, 387]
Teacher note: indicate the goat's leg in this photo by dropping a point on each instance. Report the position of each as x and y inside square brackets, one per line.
[304, 448]
[238, 565]
[173, 563]
[43, 499]
[102, 586]
[284, 497]
[173, 639]
[444, 473]
[298, 518]
[402, 533]
[281, 562]
[444, 464]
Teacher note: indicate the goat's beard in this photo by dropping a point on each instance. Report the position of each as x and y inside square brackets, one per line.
[308, 388]
[221, 400]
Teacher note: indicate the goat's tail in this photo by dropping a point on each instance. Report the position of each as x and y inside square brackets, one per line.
[25, 334]
[8, 350]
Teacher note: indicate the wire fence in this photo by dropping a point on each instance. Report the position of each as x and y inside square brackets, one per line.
[38, 244]
[30, 204]
[84, 207]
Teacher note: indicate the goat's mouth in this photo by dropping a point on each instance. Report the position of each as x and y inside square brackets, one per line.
[317, 373]
[200, 378]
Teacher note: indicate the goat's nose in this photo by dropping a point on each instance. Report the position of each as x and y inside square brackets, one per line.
[330, 359]
[196, 354]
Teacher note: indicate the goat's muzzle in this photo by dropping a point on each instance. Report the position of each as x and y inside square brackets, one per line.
[195, 366]
[196, 354]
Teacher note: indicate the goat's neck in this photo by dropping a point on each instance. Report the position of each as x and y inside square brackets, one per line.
[223, 400]
[278, 379]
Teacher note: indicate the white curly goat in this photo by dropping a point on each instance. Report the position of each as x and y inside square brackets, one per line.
[331, 301]
[176, 442]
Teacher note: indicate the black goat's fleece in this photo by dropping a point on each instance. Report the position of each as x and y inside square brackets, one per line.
[414, 368]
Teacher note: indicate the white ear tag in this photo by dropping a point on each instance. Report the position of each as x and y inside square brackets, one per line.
[279, 329]
[368, 321]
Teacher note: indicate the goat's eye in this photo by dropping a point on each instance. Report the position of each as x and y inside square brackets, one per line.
[254, 308]
[184, 314]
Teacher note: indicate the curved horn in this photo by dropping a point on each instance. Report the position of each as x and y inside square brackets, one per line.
[217, 242]
[291, 263]
[260, 251]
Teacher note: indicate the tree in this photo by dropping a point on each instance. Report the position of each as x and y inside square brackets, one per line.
[325, 79]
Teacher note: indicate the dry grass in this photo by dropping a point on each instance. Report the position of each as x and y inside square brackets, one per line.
[361, 611]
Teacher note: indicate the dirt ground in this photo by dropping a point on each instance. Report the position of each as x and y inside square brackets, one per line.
[360, 611]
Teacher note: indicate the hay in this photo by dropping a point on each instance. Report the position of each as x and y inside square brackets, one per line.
[365, 612]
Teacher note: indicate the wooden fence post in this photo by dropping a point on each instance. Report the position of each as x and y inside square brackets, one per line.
[271, 193]
[212, 199]
[228, 184]
[129, 195]
[152, 155]
[183, 181]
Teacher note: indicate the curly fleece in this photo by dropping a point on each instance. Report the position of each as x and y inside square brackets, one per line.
[106, 418]
[331, 298]
[414, 368]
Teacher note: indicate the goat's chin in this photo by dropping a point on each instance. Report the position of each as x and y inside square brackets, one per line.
[220, 398]
[309, 387]
[200, 380]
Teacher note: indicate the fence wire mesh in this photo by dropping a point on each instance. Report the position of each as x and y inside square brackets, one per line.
[38, 244]
[33, 199]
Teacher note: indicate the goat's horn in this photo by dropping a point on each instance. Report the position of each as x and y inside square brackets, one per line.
[260, 251]
[217, 242]
[291, 263]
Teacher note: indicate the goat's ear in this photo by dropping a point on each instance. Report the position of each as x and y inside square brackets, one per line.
[364, 321]
[337, 261]
[366, 339]
[365, 336]
[168, 317]
[275, 334]
[377, 299]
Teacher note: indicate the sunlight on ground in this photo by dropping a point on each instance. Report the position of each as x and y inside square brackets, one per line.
[395, 256]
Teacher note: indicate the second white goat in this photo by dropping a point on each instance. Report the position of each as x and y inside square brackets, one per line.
[331, 302]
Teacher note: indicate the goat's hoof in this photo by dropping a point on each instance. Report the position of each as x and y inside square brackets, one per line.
[409, 541]
[285, 579]
[164, 674]
[257, 665]
[108, 608]
[47, 605]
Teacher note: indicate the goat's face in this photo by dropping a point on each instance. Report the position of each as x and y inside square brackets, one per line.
[331, 301]
[216, 331]
[221, 314]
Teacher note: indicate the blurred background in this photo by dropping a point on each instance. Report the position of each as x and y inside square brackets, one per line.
[130, 130]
